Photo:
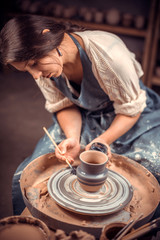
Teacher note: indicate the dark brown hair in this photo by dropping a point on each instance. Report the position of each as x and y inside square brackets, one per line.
[21, 38]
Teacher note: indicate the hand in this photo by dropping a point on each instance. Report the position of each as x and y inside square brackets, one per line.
[101, 141]
[70, 148]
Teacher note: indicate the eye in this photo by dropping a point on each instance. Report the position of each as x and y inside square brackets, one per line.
[34, 64]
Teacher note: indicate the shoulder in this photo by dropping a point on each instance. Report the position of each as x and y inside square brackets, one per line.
[98, 38]
[96, 34]
[104, 45]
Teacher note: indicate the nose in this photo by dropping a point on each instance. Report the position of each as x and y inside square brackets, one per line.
[35, 73]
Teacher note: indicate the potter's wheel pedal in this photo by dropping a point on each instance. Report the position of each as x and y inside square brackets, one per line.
[114, 195]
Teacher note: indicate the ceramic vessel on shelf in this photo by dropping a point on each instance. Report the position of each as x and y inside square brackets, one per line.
[92, 171]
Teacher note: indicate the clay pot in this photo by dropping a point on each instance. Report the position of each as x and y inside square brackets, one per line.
[92, 171]
[113, 17]
[98, 16]
[139, 22]
[110, 230]
[23, 227]
[127, 20]
[88, 16]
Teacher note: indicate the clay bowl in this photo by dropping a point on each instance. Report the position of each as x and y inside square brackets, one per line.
[23, 227]
[111, 230]
[92, 171]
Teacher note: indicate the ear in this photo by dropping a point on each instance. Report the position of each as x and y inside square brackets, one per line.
[45, 30]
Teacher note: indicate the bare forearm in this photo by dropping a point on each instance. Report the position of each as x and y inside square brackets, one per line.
[120, 125]
[70, 121]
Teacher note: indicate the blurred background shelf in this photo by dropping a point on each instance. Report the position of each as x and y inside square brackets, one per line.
[155, 81]
[154, 61]
[138, 27]
[109, 28]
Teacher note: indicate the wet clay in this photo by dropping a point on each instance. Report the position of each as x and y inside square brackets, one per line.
[74, 235]
[18, 228]
[21, 231]
[146, 195]
[146, 188]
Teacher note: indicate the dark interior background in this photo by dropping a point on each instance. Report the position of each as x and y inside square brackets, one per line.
[22, 113]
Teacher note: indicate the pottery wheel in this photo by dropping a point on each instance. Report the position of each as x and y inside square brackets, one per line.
[34, 179]
[114, 195]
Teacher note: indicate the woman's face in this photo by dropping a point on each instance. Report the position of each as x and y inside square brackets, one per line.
[48, 66]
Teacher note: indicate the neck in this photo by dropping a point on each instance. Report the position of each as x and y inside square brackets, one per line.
[72, 66]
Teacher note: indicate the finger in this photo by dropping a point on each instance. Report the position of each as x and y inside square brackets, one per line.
[62, 158]
[64, 146]
[70, 159]
[59, 155]
[109, 154]
[87, 147]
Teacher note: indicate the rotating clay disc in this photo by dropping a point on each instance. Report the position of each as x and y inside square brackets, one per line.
[114, 195]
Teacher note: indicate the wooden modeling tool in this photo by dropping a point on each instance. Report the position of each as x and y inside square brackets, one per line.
[52, 140]
[126, 228]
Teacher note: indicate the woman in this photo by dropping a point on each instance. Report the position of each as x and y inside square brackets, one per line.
[91, 82]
